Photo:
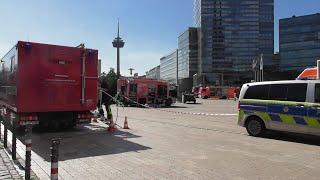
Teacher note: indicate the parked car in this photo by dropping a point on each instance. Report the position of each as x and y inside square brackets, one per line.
[188, 98]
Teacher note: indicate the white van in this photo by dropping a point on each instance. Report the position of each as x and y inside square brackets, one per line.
[292, 106]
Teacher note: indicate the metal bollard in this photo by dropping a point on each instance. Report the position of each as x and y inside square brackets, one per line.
[14, 140]
[28, 142]
[5, 134]
[54, 158]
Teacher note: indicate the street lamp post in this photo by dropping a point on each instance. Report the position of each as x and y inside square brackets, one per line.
[131, 70]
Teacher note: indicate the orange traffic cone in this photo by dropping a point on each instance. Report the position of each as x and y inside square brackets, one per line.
[126, 126]
[112, 125]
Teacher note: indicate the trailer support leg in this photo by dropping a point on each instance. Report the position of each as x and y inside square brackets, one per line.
[28, 142]
[14, 140]
[5, 134]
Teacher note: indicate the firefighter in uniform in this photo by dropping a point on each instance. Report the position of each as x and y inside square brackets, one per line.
[105, 100]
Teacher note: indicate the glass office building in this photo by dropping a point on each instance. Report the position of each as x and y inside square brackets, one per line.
[188, 53]
[299, 42]
[168, 67]
[187, 58]
[232, 33]
[153, 73]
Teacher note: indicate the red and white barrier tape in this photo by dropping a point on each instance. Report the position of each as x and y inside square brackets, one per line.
[170, 111]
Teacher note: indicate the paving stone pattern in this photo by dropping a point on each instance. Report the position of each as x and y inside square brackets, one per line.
[7, 168]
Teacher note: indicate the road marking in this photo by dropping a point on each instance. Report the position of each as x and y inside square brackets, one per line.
[225, 114]
[194, 113]
[202, 114]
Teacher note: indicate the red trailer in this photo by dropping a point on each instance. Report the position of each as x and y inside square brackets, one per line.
[50, 84]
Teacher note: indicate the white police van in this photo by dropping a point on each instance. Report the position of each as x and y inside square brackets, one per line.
[292, 106]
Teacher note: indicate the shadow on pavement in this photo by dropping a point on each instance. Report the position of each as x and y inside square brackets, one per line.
[85, 141]
[197, 103]
[293, 137]
[173, 107]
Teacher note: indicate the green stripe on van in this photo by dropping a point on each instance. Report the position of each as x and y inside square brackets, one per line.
[258, 101]
[312, 122]
[263, 115]
[288, 119]
[241, 115]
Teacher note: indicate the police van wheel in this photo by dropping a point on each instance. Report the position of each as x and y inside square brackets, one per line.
[255, 127]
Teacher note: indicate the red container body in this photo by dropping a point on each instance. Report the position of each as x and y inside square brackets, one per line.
[37, 78]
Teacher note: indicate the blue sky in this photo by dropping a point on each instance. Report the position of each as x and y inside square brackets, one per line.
[149, 27]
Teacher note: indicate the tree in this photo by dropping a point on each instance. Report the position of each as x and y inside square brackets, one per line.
[109, 82]
[112, 79]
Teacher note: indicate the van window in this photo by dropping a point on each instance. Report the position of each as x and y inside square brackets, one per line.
[297, 92]
[317, 94]
[288, 92]
[278, 92]
[257, 92]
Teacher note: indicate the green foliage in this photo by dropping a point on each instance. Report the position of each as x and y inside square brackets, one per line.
[109, 82]
[112, 78]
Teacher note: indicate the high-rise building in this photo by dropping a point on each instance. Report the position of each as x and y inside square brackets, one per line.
[231, 34]
[187, 58]
[153, 73]
[299, 43]
[169, 67]
[188, 53]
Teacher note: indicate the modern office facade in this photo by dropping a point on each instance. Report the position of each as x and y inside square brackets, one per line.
[232, 33]
[169, 67]
[188, 53]
[299, 42]
[153, 73]
[187, 58]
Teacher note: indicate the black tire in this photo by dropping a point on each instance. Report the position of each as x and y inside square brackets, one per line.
[194, 102]
[255, 127]
[168, 102]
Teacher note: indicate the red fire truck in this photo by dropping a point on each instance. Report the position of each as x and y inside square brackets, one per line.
[53, 85]
[218, 92]
[144, 91]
